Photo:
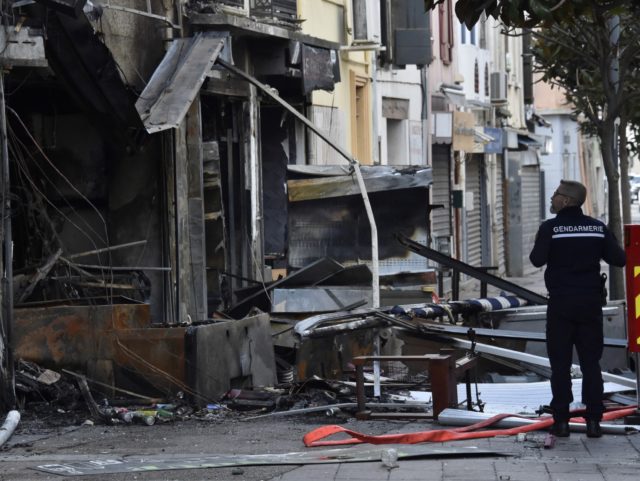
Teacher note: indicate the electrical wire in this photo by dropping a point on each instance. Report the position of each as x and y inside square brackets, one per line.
[19, 158]
[160, 372]
[75, 189]
[15, 138]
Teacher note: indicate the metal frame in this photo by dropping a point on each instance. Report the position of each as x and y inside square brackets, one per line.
[477, 273]
[355, 165]
[444, 371]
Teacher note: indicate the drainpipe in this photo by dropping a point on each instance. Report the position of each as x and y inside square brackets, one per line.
[426, 117]
[375, 283]
[376, 121]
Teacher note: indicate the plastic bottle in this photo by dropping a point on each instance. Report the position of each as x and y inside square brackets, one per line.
[389, 458]
[145, 417]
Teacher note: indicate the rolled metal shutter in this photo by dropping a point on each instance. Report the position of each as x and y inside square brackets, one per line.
[441, 193]
[498, 212]
[530, 179]
[472, 227]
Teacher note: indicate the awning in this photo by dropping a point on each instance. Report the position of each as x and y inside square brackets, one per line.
[540, 120]
[528, 142]
[480, 140]
[481, 137]
[455, 97]
[177, 80]
[521, 139]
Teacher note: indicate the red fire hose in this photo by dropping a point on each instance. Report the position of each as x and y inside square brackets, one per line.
[315, 437]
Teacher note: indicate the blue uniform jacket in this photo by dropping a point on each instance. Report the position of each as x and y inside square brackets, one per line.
[572, 246]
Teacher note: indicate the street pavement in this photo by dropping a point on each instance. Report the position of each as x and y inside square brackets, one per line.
[577, 458]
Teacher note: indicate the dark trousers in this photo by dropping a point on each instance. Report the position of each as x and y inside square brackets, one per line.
[575, 321]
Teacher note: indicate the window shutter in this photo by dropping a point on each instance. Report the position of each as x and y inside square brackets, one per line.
[446, 31]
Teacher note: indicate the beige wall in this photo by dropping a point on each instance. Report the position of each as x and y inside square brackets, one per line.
[546, 97]
[332, 20]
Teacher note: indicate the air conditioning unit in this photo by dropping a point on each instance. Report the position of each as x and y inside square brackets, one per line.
[498, 87]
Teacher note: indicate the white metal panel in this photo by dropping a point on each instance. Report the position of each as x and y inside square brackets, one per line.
[21, 48]
[177, 80]
[441, 192]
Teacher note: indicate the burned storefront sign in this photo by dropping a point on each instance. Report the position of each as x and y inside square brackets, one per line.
[326, 216]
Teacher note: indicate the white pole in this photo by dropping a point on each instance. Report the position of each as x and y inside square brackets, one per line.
[9, 426]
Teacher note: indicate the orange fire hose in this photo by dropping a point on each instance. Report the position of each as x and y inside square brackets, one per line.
[314, 438]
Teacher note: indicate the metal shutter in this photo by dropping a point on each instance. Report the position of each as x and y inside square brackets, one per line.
[498, 212]
[530, 178]
[441, 193]
[472, 225]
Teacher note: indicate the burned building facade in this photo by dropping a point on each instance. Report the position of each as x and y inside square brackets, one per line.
[148, 185]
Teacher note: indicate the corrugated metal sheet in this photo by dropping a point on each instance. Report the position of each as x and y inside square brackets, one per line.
[177, 80]
[441, 192]
[530, 178]
[473, 225]
[498, 212]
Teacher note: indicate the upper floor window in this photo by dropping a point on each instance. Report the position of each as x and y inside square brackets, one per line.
[482, 26]
[468, 36]
[487, 92]
[476, 78]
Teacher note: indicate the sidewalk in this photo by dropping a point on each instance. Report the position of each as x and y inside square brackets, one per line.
[610, 458]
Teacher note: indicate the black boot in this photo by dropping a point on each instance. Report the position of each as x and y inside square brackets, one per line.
[560, 429]
[593, 429]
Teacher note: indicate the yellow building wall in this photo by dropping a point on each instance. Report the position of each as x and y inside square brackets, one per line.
[332, 20]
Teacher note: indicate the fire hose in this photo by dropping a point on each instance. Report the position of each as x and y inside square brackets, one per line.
[315, 438]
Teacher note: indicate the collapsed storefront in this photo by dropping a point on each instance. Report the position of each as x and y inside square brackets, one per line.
[143, 215]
